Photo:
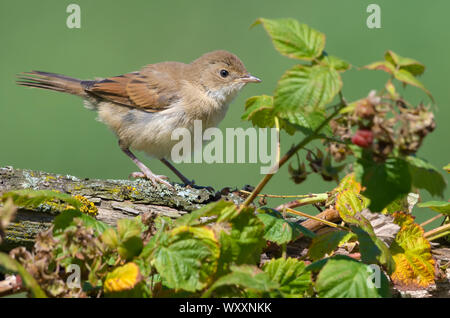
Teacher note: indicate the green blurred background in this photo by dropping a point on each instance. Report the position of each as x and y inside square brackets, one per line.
[50, 131]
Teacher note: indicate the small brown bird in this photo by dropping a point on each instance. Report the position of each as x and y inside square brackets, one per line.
[143, 108]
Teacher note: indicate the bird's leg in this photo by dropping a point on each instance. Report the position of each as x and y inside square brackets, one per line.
[146, 172]
[178, 173]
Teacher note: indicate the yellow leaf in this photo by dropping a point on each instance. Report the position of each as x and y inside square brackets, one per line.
[122, 278]
[412, 255]
[349, 183]
[348, 204]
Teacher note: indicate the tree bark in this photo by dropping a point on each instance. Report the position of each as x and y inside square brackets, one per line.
[115, 199]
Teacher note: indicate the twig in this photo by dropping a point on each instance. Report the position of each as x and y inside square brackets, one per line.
[314, 198]
[436, 231]
[431, 220]
[279, 195]
[292, 211]
[290, 153]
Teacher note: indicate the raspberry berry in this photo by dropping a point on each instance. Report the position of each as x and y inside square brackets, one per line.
[363, 138]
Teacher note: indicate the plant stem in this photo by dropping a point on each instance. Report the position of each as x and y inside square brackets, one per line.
[435, 237]
[289, 210]
[430, 220]
[290, 153]
[280, 195]
[314, 198]
[438, 230]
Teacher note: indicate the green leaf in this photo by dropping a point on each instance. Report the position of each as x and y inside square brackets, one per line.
[293, 39]
[335, 62]
[412, 66]
[279, 230]
[33, 198]
[372, 249]
[65, 219]
[438, 206]
[426, 176]
[404, 69]
[8, 265]
[347, 278]
[305, 122]
[304, 89]
[407, 78]
[187, 257]
[246, 239]
[384, 182]
[259, 110]
[291, 276]
[249, 277]
[222, 210]
[382, 66]
[327, 243]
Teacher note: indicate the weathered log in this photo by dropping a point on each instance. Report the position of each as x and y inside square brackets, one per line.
[115, 199]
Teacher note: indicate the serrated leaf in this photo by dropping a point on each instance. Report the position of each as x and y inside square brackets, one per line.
[305, 88]
[187, 258]
[305, 122]
[384, 182]
[222, 211]
[412, 254]
[246, 238]
[279, 230]
[335, 62]
[293, 39]
[259, 110]
[406, 77]
[349, 183]
[127, 228]
[66, 219]
[404, 73]
[122, 278]
[291, 275]
[346, 278]
[349, 204]
[327, 243]
[425, 176]
[382, 66]
[438, 206]
[249, 277]
[404, 203]
[372, 249]
[412, 66]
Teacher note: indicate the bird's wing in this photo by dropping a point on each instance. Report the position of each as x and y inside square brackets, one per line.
[149, 89]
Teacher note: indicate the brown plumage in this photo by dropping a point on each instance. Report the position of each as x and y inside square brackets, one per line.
[144, 107]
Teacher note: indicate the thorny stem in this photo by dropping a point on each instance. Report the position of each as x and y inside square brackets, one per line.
[291, 152]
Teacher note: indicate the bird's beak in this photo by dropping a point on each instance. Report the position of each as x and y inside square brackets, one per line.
[250, 79]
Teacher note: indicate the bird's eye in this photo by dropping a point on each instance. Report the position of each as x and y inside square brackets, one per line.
[224, 73]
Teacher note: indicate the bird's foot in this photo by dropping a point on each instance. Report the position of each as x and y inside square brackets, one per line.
[153, 178]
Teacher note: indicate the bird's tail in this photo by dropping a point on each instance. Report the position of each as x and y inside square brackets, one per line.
[51, 81]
